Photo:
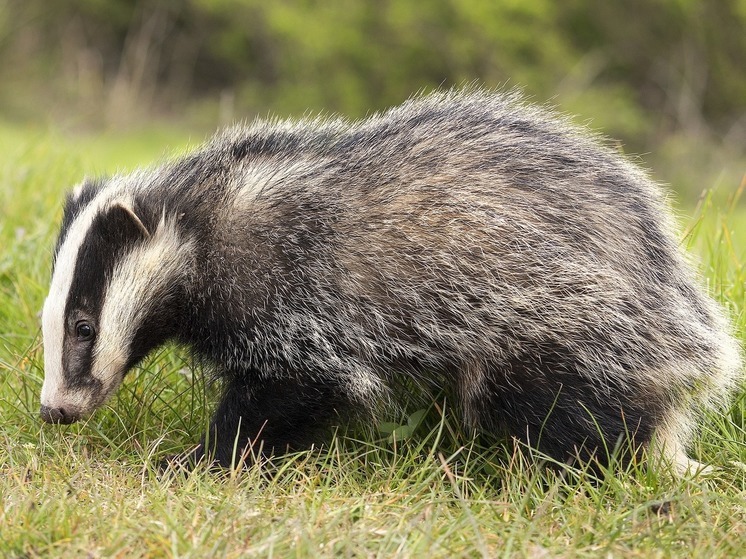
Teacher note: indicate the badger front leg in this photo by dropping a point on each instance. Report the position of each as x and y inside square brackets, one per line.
[268, 417]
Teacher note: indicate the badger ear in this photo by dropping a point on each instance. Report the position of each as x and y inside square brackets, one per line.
[122, 222]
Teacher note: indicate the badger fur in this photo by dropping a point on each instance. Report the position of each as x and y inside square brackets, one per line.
[462, 241]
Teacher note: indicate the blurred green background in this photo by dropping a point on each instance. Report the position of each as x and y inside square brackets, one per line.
[664, 78]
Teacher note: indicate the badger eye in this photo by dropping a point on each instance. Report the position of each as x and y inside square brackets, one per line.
[83, 330]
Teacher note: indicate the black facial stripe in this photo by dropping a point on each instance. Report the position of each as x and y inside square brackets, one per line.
[78, 361]
[73, 206]
[111, 236]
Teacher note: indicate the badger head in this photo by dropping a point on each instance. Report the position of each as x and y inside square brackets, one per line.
[114, 296]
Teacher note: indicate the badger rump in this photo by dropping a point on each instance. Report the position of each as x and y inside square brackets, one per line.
[462, 240]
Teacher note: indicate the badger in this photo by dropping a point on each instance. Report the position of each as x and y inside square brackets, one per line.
[464, 242]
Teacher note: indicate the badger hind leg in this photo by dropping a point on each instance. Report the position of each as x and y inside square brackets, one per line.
[668, 446]
[715, 381]
[266, 417]
[560, 413]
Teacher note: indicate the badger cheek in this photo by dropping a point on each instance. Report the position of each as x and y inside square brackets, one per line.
[108, 379]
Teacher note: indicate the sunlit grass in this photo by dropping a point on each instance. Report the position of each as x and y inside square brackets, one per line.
[92, 489]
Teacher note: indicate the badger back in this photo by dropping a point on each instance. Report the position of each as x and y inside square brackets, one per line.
[115, 276]
[459, 230]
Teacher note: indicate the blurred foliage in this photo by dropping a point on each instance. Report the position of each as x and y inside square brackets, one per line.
[647, 72]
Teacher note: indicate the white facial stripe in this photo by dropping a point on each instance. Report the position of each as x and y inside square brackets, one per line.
[139, 278]
[53, 313]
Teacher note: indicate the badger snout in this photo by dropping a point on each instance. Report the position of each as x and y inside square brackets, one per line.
[58, 415]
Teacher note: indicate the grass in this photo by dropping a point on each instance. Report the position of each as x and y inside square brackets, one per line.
[91, 489]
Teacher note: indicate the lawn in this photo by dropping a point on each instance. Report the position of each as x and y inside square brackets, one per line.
[93, 490]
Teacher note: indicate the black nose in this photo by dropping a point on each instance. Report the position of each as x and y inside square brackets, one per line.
[56, 415]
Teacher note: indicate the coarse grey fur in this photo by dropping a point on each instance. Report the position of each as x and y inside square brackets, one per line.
[461, 241]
